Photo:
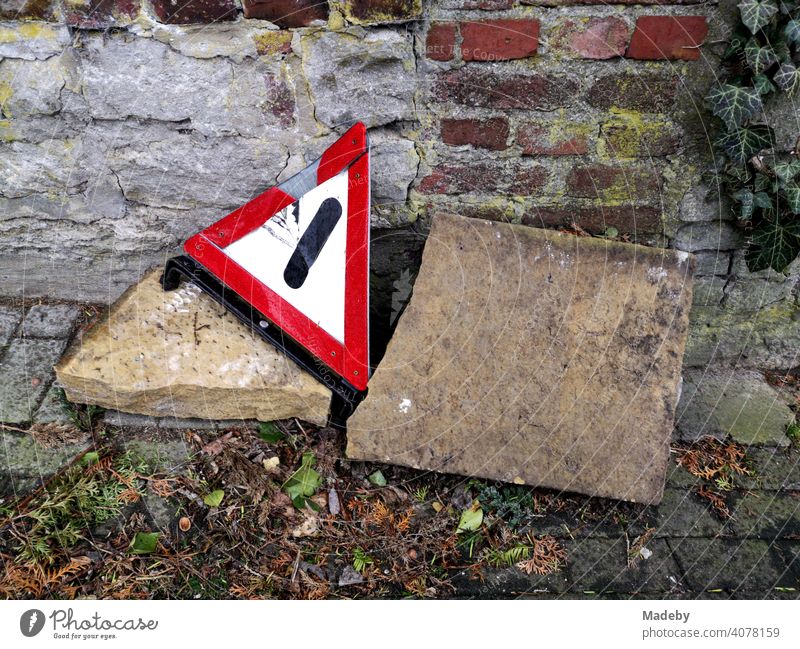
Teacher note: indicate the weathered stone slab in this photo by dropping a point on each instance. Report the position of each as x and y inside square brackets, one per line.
[178, 354]
[533, 356]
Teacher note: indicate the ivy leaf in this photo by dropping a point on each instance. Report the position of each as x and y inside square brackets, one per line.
[745, 197]
[787, 77]
[214, 499]
[144, 543]
[786, 171]
[269, 432]
[773, 245]
[762, 200]
[793, 196]
[471, 518]
[792, 31]
[757, 13]
[759, 58]
[763, 183]
[743, 143]
[377, 479]
[735, 46]
[734, 104]
[763, 84]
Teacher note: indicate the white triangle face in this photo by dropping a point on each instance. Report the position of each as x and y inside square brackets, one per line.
[300, 253]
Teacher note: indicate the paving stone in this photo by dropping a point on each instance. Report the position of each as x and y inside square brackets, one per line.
[750, 566]
[594, 564]
[507, 583]
[9, 319]
[161, 510]
[738, 403]
[767, 515]
[775, 468]
[52, 410]
[26, 368]
[159, 455]
[658, 573]
[22, 457]
[515, 356]
[679, 477]
[128, 420]
[681, 513]
[50, 320]
[179, 354]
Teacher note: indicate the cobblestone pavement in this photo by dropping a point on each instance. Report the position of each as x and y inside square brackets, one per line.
[679, 549]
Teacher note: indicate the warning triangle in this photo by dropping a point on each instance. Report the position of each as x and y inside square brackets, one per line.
[298, 257]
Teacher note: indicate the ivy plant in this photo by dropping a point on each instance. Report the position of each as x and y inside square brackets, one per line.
[761, 60]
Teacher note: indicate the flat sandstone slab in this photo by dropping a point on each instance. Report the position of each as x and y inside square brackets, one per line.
[534, 357]
[179, 354]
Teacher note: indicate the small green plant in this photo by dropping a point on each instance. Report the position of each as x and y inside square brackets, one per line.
[303, 483]
[361, 560]
[761, 60]
[505, 558]
[421, 494]
[514, 504]
[793, 433]
[82, 417]
[89, 493]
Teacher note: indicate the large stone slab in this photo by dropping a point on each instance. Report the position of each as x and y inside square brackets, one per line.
[535, 357]
[179, 354]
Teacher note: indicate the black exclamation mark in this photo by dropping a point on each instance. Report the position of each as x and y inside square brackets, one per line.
[312, 242]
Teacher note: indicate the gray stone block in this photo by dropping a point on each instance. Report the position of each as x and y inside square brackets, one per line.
[52, 410]
[767, 515]
[27, 369]
[658, 573]
[715, 235]
[594, 564]
[681, 513]
[748, 566]
[732, 402]
[21, 456]
[50, 320]
[361, 75]
[9, 319]
[158, 454]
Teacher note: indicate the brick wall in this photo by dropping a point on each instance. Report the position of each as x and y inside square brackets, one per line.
[129, 124]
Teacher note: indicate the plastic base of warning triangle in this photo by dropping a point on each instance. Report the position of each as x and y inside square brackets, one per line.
[345, 396]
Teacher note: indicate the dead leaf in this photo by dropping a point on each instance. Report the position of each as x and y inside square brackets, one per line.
[215, 447]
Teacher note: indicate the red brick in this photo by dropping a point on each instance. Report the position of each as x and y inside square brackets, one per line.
[484, 178]
[487, 5]
[601, 181]
[499, 40]
[287, 13]
[599, 38]
[194, 11]
[642, 91]
[544, 139]
[28, 10]
[606, 3]
[668, 37]
[631, 140]
[628, 219]
[100, 14]
[490, 90]
[382, 11]
[482, 133]
[441, 41]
